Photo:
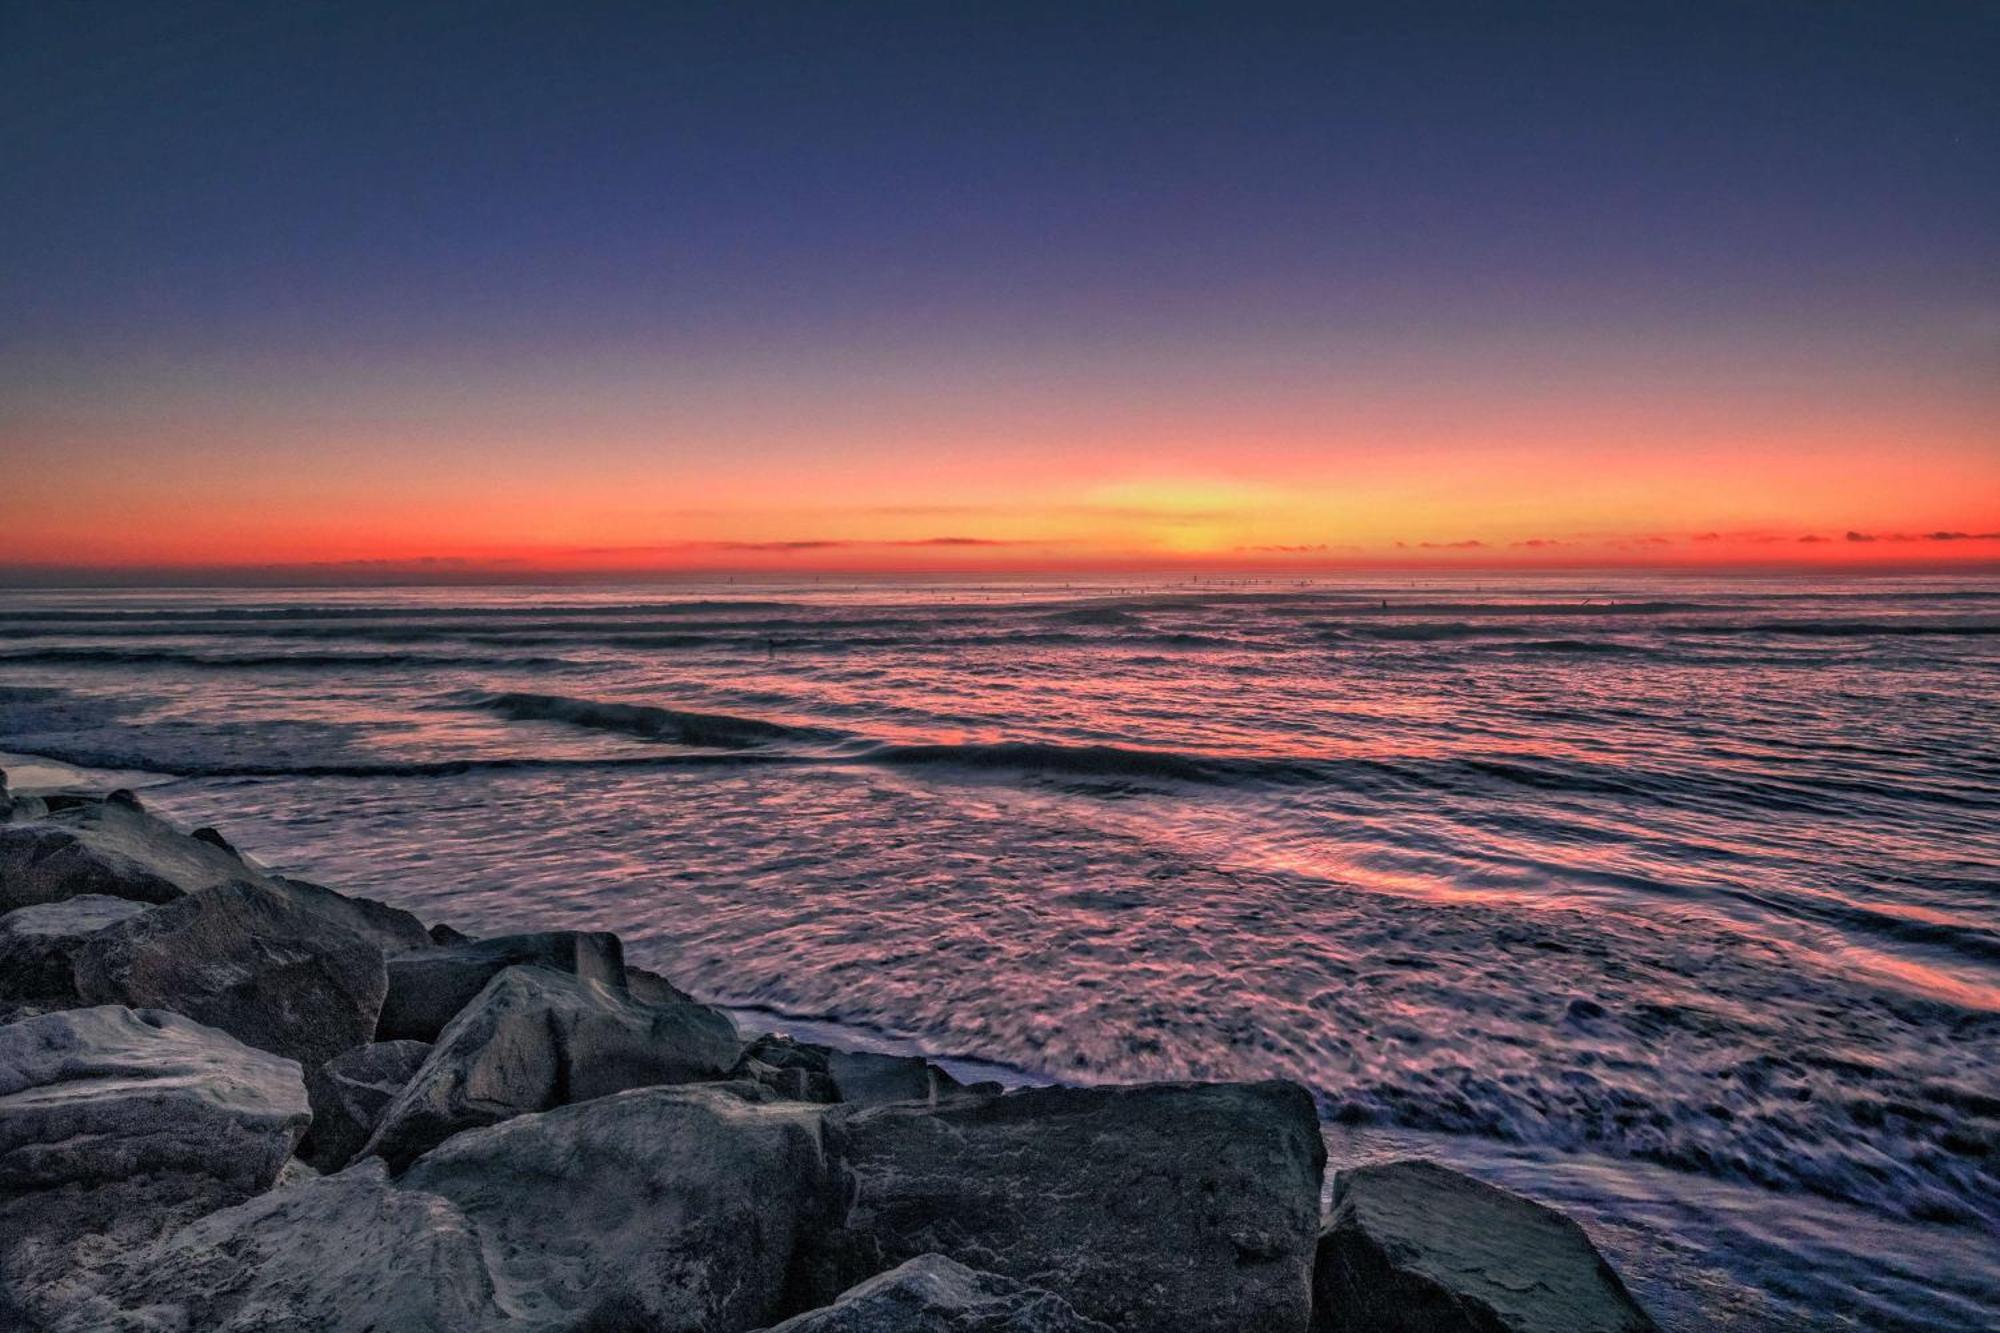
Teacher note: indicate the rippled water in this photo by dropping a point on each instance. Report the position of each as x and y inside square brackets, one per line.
[1675, 902]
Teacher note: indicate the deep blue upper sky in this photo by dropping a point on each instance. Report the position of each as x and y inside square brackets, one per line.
[400, 173]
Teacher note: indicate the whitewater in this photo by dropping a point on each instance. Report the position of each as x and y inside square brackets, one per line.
[1673, 901]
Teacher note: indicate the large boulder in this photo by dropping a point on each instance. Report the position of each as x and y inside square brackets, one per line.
[933, 1294]
[348, 1253]
[1168, 1206]
[535, 1039]
[248, 959]
[117, 1124]
[350, 1092]
[427, 988]
[108, 1093]
[39, 944]
[668, 1209]
[109, 846]
[390, 929]
[1414, 1246]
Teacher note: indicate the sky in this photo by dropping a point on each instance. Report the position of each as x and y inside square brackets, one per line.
[363, 288]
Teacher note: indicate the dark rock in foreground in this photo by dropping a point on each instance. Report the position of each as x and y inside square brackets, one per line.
[933, 1294]
[116, 1125]
[390, 929]
[39, 945]
[247, 959]
[1412, 1247]
[667, 1209]
[868, 1078]
[348, 1253]
[103, 1094]
[350, 1092]
[534, 1039]
[109, 846]
[428, 988]
[1171, 1206]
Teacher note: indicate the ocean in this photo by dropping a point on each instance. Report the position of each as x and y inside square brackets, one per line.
[1672, 901]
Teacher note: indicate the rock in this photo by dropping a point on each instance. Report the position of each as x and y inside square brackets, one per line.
[868, 1078]
[669, 1209]
[794, 1070]
[652, 988]
[1168, 1206]
[1411, 1245]
[348, 1253]
[350, 1092]
[43, 863]
[110, 847]
[213, 837]
[535, 1039]
[428, 988]
[443, 934]
[391, 929]
[247, 959]
[808, 1071]
[107, 1093]
[116, 1125]
[933, 1294]
[39, 944]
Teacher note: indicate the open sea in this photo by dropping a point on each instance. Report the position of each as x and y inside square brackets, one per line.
[1674, 902]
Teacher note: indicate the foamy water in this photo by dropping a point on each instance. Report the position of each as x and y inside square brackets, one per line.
[1675, 902]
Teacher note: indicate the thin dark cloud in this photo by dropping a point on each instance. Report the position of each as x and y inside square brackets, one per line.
[1536, 543]
[1813, 539]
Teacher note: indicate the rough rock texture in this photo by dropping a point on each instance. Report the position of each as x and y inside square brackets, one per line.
[390, 929]
[110, 847]
[652, 988]
[348, 1253]
[39, 944]
[809, 1072]
[868, 1078]
[115, 1125]
[1414, 1246]
[933, 1294]
[428, 988]
[1169, 1206]
[666, 1209]
[350, 1092]
[247, 959]
[44, 863]
[793, 1069]
[534, 1039]
[90, 1095]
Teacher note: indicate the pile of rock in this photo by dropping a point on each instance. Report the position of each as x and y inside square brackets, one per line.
[231, 1101]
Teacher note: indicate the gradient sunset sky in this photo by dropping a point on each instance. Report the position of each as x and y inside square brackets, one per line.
[360, 288]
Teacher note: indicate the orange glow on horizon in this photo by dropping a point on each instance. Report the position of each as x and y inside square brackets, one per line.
[1591, 481]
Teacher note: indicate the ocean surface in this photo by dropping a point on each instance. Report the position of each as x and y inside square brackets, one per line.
[1674, 902]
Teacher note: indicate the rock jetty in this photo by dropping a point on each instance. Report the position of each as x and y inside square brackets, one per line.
[233, 1101]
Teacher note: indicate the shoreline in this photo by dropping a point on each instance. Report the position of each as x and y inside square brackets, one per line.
[119, 909]
[1641, 1213]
